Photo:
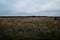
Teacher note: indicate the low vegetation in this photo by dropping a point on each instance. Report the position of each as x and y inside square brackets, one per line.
[29, 28]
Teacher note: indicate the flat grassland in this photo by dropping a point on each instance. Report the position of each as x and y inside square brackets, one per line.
[29, 28]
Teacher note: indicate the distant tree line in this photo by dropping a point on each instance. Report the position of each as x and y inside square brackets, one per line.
[55, 18]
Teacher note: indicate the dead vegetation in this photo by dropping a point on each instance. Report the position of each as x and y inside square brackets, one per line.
[29, 28]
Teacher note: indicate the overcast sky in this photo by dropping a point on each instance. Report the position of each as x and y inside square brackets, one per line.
[29, 7]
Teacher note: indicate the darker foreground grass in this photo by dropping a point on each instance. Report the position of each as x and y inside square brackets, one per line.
[29, 29]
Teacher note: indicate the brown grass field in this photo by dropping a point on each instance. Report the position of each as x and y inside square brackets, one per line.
[29, 28]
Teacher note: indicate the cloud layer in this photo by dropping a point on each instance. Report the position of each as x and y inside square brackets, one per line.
[29, 7]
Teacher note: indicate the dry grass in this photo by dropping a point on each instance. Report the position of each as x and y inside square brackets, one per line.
[29, 28]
